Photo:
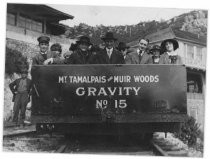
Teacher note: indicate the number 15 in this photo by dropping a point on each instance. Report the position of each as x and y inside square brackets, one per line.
[121, 103]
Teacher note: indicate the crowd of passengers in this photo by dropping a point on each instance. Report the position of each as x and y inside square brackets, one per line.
[84, 52]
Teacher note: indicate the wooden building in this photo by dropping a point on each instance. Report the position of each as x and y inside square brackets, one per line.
[26, 22]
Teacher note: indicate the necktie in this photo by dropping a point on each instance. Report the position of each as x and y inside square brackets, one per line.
[140, 57]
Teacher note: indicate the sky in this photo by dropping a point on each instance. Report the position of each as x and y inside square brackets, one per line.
[108, 15]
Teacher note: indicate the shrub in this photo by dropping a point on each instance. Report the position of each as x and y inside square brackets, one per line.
[15, 61]
[189, 131]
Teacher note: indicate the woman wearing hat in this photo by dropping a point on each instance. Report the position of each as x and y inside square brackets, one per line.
[110, 55]
[155, 51]
[170, 56]
[82, 54]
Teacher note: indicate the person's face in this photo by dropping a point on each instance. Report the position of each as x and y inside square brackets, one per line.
[83, 46]
[43, 47]
[143, 44]
[23, 75]
[169, 46]
[57, 52]
[109, 43]
[156, 53]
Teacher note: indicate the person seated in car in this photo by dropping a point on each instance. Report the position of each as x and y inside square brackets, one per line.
[170, 53]
[155, 51]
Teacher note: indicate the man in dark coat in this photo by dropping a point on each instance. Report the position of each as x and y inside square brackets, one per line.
[110, 55]
[45, 56]
[139, 55]
[82, 54]
[21, 89]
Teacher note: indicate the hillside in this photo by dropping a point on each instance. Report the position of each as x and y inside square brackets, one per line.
[194, 21]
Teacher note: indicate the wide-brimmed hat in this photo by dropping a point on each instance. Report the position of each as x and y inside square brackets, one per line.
[84, 39]
[109, 36]
[173, 41]
[122, 46]
[43, 39]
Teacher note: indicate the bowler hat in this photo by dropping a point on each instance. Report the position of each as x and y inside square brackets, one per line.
[43, 39]
[122, 46]
[84, 39]
[173, 41]
[109, 36]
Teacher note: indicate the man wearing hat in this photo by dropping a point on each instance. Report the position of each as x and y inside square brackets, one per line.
[123, 48]
[45, 56]
[82, 53]
[110, 55]
[21, 89]
[155, 51]
[140, 55]
[170, 54]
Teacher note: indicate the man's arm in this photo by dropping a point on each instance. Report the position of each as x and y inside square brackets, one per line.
[12, 85]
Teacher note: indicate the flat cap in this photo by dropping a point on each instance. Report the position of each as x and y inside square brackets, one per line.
[43, 39]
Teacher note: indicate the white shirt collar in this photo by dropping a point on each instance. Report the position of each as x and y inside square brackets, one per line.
[111, 50]
[43, 52]
[138, 52]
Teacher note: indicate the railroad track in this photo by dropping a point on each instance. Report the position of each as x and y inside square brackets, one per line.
[153, 148]
[108, 145]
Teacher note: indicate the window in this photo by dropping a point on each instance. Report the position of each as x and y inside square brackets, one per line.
[194, 83]
[199, 53]
[10, 19]
[29, 24]
[190, 51]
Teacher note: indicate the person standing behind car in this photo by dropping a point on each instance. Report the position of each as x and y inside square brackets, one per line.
[44, 57]
[21, 89]
[82, 54]
[170, 54]
[123, 48]
[57, 49]
[140, 55]
[110, 55]
[155, 51]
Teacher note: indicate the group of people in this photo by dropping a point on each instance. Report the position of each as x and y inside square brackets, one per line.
[84, 52]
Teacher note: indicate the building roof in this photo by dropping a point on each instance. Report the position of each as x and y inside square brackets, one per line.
[170, 33]
[38, 11]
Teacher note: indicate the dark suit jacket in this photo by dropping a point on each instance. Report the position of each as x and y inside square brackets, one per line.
[78, 57]
[39, 59]
[133, 58]
[15, 84]
[116, 57]
[164, 59]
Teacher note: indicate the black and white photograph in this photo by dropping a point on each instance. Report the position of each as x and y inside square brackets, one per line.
[104, 80]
